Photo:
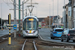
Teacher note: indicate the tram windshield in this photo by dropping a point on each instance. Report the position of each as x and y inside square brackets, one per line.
[30, 24]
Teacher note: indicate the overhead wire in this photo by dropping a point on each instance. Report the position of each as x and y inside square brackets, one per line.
[6, 3]
[12, 2]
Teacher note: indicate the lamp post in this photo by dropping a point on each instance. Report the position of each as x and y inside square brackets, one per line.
[57, 12]
[73, 3]
[64, 14]
[49, 15]
[53, 11]
[1, 15]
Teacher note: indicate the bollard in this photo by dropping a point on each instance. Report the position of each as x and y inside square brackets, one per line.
[9, 16]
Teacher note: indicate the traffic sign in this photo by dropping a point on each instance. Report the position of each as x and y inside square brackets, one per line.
[14, 27]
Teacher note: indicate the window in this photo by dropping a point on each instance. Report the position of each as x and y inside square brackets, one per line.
[59, 30]
[30, 24]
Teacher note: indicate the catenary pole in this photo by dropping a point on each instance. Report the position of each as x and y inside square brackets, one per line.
[19, 16]
[22, 9]
[14, 17]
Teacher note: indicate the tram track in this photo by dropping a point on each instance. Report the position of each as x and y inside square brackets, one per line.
[29, 44]
[34, 44]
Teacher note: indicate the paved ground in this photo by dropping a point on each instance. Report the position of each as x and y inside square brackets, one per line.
[17, 43]
[5, 31]
[45, 34]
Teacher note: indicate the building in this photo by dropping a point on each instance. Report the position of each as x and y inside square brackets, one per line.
[42, 22]
[17, 22]
[56, 20]
[12, 23]
[67, 15]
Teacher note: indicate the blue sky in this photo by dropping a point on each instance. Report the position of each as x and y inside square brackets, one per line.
[43, 9]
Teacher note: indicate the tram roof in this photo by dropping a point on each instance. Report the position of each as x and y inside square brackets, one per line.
[31, 16]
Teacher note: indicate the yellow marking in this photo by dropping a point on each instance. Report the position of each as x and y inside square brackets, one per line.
[30, 31]
[9, 33]
[31, 19]
[9, 30]
[14, 26]
[9, 40]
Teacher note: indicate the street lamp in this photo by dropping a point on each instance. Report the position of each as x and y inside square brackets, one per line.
[57, 12]
[64, 15]
[53, 10]
[1, 15]
[49, 15]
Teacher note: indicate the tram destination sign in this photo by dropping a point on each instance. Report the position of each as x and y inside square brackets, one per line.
[31, 19]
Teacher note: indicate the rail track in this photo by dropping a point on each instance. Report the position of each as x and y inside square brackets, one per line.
[29, 44]
[34, 44]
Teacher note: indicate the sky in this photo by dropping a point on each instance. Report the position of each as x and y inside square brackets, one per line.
[44, 8]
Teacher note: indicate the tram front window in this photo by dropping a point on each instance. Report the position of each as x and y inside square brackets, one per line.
[30, 25]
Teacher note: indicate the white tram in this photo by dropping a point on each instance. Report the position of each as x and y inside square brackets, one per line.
[30, 26]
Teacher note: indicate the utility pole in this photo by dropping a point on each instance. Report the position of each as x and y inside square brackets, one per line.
[19, 17]
[14, 17]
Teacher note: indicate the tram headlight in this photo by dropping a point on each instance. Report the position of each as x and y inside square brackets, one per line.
[33, 31]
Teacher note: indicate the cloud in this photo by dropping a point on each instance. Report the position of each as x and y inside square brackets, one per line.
[44, 8]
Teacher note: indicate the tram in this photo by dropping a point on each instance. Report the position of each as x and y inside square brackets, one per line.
[30, 26]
